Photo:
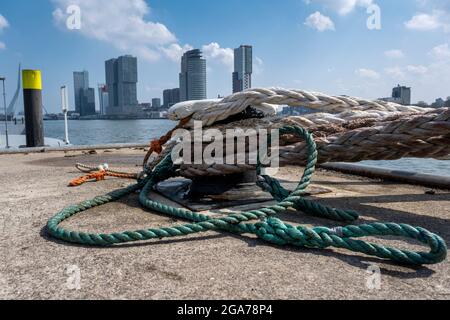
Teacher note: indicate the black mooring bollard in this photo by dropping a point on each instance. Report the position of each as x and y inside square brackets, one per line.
[32, 98]
[215, 186]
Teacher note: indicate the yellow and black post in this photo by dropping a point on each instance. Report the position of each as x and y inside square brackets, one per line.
[32, 98]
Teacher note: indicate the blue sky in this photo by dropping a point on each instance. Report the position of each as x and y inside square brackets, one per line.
[319, 45]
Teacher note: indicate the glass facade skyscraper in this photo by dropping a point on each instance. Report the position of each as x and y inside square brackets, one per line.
[80, 83]
[88, 108]
[243, 68]
[121, 81]
[193, 76]
[84, 96]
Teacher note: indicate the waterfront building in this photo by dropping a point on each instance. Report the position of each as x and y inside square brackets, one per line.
[402, 94]
[121, 81]
[88, 108]
[193, 76]
[171, 97]
[156, 103]
[80, 83]
[103, 98]
[84, 96]
[243, 68]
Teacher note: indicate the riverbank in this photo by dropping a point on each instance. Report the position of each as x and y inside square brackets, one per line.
[206, 266]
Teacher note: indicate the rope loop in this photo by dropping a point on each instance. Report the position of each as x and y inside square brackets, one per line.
[268, 228]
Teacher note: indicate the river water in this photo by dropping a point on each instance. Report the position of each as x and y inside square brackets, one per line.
[106, 131]
[143, 131]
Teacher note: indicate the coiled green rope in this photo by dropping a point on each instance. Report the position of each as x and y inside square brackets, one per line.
[267, 227]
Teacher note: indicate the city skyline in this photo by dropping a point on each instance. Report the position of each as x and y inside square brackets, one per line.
[192, 77]
[301, 50]
[121, 76]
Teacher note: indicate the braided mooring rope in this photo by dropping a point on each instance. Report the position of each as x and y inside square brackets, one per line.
[423, 136]
[267, 228]
[210, 112]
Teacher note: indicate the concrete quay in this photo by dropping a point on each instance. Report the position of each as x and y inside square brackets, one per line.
[212, 265]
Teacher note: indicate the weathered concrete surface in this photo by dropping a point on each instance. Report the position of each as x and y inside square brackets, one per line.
[211, 265]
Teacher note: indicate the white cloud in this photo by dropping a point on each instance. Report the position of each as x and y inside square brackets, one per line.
[258, 66]
[214, 52]
[437, 20]
[423, 21]
[343, 7]
[319, 22]
[367, 73]
[417, 70]
[174, 51]
[440, 52]
[395, 72]
[121, 23]
[3, 23]
[124, 25]
[394, 54]
[408, 72]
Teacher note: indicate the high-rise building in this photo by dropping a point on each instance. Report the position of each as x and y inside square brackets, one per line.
[88, 108]
[84, 96]
[156, 103]
[193, 76]
[402, 95]
[243, 68]
[80, 83]
[121, 81]
[103, 98]
[171, 97]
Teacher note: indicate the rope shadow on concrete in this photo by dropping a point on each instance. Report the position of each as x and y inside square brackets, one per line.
[363, 206]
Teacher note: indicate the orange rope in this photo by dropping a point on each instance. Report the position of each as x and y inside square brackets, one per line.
[157, 145]
[99, 176]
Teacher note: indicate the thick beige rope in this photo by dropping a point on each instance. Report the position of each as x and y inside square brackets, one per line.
[425, 135]
[212, 111]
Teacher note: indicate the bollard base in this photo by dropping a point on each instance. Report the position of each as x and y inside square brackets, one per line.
[214, 193]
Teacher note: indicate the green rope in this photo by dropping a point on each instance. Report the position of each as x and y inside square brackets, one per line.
[267, 227]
